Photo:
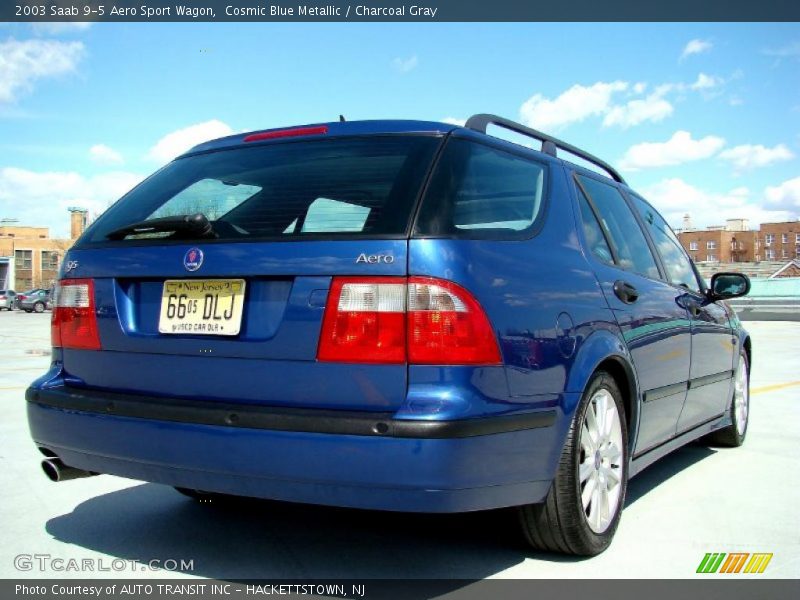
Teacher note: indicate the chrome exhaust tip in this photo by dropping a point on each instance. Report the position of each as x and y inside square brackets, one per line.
[55, 470]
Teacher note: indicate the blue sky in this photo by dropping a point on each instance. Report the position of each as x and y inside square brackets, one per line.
[702, 118]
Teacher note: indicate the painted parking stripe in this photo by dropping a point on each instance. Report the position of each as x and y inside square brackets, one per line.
[771, 388]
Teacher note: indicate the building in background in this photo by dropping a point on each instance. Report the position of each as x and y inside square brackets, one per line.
[732, 242]
[29, 257]
[780, 241]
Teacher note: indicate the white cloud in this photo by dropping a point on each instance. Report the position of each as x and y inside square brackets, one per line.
[59, 28]
[706, 82]
[749, 156]
[178, 142]
[572, 106]
[454, 121]
[696, 46]
[103, 155]
[404, 65]
[680, 148]
[675, 198]
[42, 198]
[24, 62]
[785, 196]
[651, 108]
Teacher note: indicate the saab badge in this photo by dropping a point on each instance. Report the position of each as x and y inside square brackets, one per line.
[193, 259]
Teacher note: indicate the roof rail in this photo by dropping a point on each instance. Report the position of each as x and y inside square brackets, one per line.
[549, 143]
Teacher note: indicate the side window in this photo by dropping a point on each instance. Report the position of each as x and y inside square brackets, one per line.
[477, 189]
[679, 269]
[593, 232]
[627, 238]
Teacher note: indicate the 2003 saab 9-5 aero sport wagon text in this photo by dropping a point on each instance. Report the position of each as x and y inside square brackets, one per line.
[392, 315]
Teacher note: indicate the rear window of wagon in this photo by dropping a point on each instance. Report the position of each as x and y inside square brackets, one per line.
[336, 187]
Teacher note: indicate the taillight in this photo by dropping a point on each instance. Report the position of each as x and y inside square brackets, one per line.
[74, 321]
[419, 320]
[446, 325]
[365, 321]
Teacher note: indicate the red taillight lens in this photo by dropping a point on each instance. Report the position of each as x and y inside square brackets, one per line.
[446, 325]
[74, 321]
[365, 321]
[284, 133]
[420, 320]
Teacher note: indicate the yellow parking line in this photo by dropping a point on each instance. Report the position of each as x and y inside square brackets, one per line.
[771, 388]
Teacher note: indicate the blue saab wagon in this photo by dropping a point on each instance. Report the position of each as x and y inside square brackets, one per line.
[392, 315]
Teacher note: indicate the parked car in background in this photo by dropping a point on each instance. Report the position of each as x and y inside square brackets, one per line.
[7, 299]
[391, 315]
[36, 300]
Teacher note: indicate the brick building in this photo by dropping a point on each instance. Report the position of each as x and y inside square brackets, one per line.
[736, 242]
[30, 258]
[780, 241]
[732, 242]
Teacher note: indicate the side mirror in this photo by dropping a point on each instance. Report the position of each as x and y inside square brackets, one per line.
[728, 285]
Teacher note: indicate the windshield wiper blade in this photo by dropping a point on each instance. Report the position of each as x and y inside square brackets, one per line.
[196, 226]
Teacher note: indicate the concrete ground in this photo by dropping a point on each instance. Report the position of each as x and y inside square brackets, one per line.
[695, 501]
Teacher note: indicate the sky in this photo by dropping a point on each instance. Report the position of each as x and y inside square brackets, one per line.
[700, 118]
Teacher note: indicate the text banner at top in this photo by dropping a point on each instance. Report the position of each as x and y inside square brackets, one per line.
[396, 10]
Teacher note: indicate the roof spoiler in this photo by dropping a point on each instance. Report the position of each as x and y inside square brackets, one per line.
[550, 145]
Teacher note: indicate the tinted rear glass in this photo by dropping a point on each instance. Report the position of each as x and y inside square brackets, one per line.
[329, 187]
[481, 191]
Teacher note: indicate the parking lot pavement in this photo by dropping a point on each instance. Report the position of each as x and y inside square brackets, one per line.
[697, 500]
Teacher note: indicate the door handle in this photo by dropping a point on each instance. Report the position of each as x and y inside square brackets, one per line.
[625, 291]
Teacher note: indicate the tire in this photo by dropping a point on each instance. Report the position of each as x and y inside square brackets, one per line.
[562, 522]
[734, 434]
[38, 307]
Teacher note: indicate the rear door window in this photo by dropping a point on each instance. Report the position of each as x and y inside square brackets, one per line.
[676, 262]
[481, 191]
[628, 244]
[362, 186]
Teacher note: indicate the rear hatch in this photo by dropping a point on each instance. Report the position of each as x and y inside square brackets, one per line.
[235, 315]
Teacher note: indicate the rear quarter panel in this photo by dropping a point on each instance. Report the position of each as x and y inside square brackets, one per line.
[544, 303]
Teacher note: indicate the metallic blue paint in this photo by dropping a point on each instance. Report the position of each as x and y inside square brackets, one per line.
[549, 301]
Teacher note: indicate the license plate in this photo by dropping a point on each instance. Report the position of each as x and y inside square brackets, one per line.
[202, 306]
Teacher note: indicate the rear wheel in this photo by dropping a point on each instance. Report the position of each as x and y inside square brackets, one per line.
[38, 307]
[733, 435]
[582, 510]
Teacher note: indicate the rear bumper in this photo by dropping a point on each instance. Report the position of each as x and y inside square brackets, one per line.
[338, 458]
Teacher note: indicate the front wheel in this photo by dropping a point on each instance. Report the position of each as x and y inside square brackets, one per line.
[733, 435]
[582, 510]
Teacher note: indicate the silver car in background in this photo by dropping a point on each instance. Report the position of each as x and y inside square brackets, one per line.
[7, 299]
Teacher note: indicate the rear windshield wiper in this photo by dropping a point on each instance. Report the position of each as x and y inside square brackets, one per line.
[194, 226]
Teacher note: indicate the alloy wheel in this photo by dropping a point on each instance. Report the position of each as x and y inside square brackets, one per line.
[741, 397]
[601, 461]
